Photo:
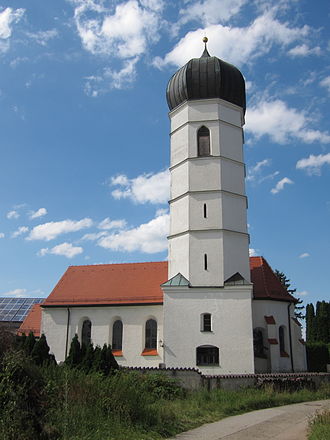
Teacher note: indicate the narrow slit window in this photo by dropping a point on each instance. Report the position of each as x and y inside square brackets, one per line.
[205, 210]
[203, 141]
[206, 322]
[205, 261]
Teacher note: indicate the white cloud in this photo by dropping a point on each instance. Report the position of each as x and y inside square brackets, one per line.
[255, 40]
[281, 123]
[39, 213]
[146, 188]
[112, 224]
[209, 11]
[303, 50]
[303, 293]
[326, 83]
[252, 252]
[20, 231]
[49, 231]
[313, 164]
[255, 170]
[12, 214]
[94, 235]
[64, 249]
[2, 235]
[119, 32]
[304, 255]
[149, 237]
[8, 17]
[16, 293]
[280, 185]
[42, 37]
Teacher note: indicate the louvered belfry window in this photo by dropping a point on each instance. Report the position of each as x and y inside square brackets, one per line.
[203, 141]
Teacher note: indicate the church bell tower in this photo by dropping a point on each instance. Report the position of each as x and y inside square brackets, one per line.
[209, 274]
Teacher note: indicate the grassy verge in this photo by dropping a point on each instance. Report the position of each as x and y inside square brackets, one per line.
[62, 403]
[320, 427]
[129, 406]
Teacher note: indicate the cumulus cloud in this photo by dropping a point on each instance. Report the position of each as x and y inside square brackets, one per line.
[256, 169]
[302, 293]
[112, 224]
[2, 235]
[8, 17]
[122, 32]
[64, 249]
[149, 237]
[326, 83]
[280, 185]
[16, 293]
[20, 231]
[42, 37]
[304, 255]
[313, 164]
[49, 231]
[255, 40]
[281, 123]
[209, 11]
[94, 235]
[39, 213]
[12, 214]
[252, 252]
[146, 188]
[303, 50]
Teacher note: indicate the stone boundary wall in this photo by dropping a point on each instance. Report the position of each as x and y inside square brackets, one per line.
[193, 379]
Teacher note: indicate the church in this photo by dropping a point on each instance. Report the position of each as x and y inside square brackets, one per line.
[210, 307]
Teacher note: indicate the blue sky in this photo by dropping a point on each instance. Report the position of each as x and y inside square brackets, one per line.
[85, 132]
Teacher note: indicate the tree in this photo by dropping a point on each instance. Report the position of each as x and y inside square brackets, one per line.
[298, 309]
[310, 323]
[29, 343]
[40, 353]
[75, 357]
[322, 318]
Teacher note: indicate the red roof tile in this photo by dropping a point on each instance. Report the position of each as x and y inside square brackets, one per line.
[32, 322]
[106, 284]
[266, 285]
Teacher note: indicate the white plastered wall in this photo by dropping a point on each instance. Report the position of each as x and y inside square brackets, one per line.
[54, 325]
[279, 310]
[231, 327]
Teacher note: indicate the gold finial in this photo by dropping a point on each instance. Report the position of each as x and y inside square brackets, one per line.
[205, 40]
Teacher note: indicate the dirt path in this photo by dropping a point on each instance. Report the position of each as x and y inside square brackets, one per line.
[282, 423]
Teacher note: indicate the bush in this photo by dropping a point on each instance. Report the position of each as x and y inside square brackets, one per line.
[317, 356]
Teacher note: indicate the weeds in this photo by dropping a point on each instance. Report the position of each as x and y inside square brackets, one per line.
[320, 426]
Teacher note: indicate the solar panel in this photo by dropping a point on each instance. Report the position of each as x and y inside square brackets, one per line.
[16, 309]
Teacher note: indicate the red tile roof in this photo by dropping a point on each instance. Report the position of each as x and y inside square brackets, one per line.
[134, 283]
[266, 285]
[106, 284]
[32, 322]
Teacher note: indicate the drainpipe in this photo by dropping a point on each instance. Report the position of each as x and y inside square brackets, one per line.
[67, 333]
[290, 337]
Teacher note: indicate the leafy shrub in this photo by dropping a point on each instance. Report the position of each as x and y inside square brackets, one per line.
[317, 356]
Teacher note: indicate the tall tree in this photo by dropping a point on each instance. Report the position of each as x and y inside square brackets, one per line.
[322, 322]
[74, 358]
[310, 323]
[298, 309]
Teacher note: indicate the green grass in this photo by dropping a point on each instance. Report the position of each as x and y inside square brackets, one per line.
[59, 403]
[320, 427]
[129, 406]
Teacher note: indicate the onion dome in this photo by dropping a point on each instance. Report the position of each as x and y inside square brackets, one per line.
[206, 77]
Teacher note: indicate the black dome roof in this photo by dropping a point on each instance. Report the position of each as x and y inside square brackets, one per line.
[206, 77]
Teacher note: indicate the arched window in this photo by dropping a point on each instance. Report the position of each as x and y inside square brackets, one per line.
[203, 141]
[207, 355]
[281, 337]
[258, 343]
[206, 322]
[151, 334]
[117, 335]
[86, 332]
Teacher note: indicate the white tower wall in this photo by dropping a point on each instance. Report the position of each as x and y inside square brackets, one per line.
[216, 181]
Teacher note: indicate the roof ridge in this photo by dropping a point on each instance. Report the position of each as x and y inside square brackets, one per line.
[118, 264]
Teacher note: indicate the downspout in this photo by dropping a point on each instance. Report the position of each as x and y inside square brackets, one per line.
[67, 333]
[290, 337]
